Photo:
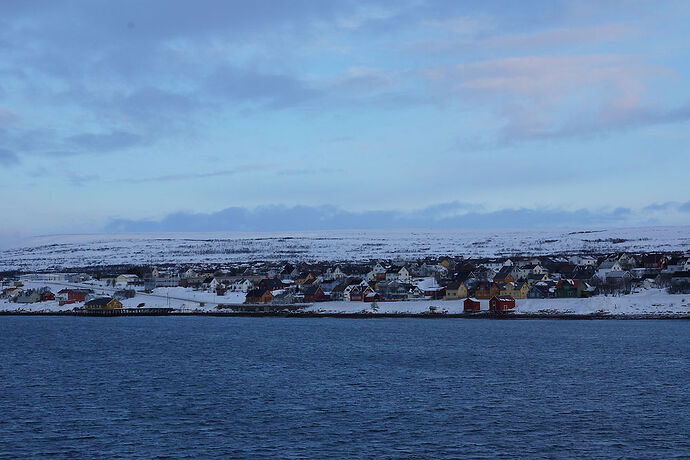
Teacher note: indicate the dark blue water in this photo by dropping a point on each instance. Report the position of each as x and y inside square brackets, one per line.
[250, 387]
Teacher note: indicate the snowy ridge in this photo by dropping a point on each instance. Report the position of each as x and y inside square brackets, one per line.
[67, 251]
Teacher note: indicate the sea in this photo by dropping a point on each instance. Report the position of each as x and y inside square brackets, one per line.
[219, 387]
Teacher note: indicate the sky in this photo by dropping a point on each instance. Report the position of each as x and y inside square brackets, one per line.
[217, 115]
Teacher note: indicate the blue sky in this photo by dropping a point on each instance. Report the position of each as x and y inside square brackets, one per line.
[257, 115]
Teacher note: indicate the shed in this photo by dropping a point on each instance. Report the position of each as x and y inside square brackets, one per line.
[471, 304]
[501, 303]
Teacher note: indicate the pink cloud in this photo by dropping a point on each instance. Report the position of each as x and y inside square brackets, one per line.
[537, 95]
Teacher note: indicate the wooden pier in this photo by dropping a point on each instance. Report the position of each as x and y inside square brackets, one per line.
[122, 311]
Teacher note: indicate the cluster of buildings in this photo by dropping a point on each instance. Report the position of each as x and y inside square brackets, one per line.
[499, 280]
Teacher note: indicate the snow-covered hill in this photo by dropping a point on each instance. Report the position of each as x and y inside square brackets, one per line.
[67, 251]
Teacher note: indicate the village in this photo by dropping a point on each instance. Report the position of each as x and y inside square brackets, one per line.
[478, 284]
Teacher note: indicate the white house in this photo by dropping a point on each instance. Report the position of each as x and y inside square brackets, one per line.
[126, 279]
[404, 275]
[242, 285]
[584, 261]
[607, 267]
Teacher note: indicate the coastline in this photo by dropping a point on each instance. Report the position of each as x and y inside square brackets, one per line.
[469, 316]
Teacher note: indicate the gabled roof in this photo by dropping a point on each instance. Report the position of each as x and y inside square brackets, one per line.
[454, 285]
[257, 292]
[607, 264]
[311, 290]
[100, 302]
[503, 273]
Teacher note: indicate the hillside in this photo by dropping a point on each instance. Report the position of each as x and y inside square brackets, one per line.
[69, 251]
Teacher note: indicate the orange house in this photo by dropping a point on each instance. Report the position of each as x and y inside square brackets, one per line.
[487, 290]
[259, 296]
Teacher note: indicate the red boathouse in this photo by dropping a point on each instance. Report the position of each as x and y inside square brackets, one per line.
[471, 304]
[501, 303]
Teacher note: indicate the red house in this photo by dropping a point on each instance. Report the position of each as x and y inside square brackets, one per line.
[69, 296]
[471, 304]
[314, 294]
[502, 303]
[360, 293]
[371, 296]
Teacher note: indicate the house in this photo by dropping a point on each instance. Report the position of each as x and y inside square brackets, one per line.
[487, 290]
[30, 296]
[289, 271]
[583, 261]
[272, 284]
[471, 304]
[505, 275]
[501, 303]
[378, 272]
[540, 290]
[393, 290]
[522, 271]
[627, 262]
[209, 283]
[305, 278]
[656, 261]
[335, 274]
[519, 290]
[259, 295]
[371, 296]
[101, 303]
[127, 279]
[361, 293]
[430, 287]
[69, 296]
[10, 292]
[571, 288]
[456, 290]
[314, 293]
[242, 285]
[535, 278]
[338, 292]
[607, 267]
[405, 275]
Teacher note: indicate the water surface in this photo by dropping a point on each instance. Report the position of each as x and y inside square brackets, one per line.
[323, 387]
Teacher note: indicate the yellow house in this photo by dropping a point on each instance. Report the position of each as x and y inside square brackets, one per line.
[259, 296]
[515, 290]
[108, 303]
[305, 279]
[456, 290]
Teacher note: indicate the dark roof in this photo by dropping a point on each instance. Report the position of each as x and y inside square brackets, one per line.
[101, 302]
[271, 283]
[503, 273]
[454, 285]
[256, 292]
[311, 290]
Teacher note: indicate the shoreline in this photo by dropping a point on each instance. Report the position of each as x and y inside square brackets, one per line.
[487, 315]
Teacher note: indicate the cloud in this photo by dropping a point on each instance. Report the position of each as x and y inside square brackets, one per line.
[685, 207]
[8, 158]
[480, 34]
[105, 142]
[7, 117]
[297, 218]
[203, 175]
[268, 89]
[559, 96]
